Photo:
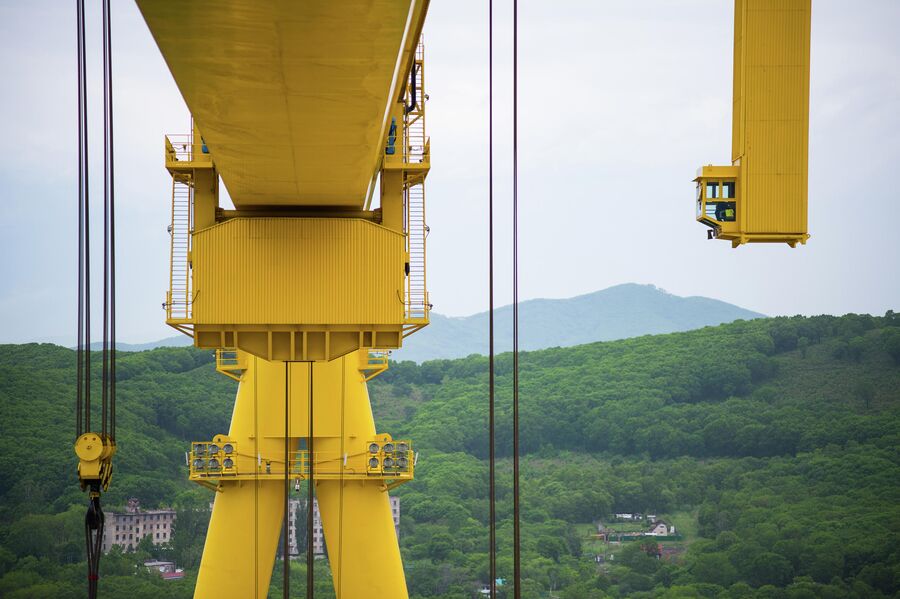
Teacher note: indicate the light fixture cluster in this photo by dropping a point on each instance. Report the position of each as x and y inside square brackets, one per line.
[389, 457]
[213, 457]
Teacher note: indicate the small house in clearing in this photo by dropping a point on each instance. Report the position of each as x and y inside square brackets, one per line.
[660, 529]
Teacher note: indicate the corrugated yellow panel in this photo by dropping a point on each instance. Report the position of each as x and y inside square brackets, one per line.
[770, 132]
[298, 271]
[291, 97]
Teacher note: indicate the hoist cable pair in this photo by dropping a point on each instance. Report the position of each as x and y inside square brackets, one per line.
[517, 560]
[286, 547]
[95, 450]
[310, 506]
[517, 573]
[491, 396]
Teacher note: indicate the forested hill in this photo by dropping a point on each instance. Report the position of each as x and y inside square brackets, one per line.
[772, 444]
[758, 388]
[618, 312]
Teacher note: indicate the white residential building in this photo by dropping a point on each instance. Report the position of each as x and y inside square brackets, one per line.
[294, 512]
[126, 529]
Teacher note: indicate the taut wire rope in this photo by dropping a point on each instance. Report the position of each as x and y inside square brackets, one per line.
[286, 547]
[340, 562]
[94, 518]
[256, 478]
[491, 397]
[83, 392]
[111, 231]
[108, 387]
[517, 562]
[310, 558]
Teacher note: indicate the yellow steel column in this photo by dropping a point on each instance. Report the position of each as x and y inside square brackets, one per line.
[243, 532]
[392, 178]
[356, 515]
[206, 185]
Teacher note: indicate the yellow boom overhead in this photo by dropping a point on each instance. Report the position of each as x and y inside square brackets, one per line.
[762, 196]
[291, 97]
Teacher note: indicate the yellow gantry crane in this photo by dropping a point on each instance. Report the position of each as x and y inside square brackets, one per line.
[762, 196]
[306, 110]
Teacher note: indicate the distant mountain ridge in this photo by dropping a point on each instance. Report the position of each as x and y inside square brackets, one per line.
[619, 312]
[174, 341]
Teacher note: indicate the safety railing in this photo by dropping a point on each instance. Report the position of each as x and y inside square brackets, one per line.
[182, 148]
[231, 363]
[373, 362]
[416, 146]
[391, 460]
[417, 304]
[179, 147]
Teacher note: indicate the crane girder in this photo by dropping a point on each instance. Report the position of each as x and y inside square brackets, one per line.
[292, 98]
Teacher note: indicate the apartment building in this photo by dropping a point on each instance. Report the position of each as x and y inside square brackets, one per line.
[294, 512]
[126, 529]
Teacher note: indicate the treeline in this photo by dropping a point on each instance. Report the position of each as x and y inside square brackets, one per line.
[165, 398]
[819, 524]
[714, 392]
[780, 435]
[773, 443]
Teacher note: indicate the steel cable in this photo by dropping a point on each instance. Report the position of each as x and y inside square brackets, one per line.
[340, 560]
[83, 360]
[104, 385]
[310, 561]
[517, 565]
[111, 230]
[82, 174]
[286, 585]
[491, 407]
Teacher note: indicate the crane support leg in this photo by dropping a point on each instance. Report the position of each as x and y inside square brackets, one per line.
[243, 532]
[362, 544]
[361, 541]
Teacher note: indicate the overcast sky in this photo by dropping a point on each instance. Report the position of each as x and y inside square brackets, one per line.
[620, 102]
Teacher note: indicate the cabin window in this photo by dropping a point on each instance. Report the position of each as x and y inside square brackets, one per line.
[699, 200]
[712, 190]
[728, 189]
[724, 212]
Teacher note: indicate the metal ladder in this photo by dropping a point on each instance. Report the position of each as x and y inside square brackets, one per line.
[416, 234]
[415, 146]
[415, 149]
[179, 300]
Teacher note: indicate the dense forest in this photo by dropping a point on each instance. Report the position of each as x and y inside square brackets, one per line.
[772, 444]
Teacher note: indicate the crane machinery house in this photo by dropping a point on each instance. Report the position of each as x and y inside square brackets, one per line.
[762, 196]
